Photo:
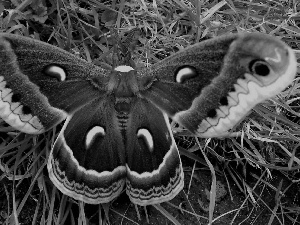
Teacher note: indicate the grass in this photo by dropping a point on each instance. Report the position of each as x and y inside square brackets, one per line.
[259, 169]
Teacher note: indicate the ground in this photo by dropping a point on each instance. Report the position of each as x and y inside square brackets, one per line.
[232, 206]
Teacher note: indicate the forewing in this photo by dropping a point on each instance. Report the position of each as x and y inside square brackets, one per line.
[40, 85]
[209, 87]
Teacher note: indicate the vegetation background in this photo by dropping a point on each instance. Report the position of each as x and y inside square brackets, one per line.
[250, 179]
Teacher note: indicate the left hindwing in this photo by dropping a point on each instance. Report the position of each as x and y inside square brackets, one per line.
[209, 87]
[87, 161]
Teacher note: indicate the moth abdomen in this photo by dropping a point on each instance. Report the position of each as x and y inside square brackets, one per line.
[123, 106]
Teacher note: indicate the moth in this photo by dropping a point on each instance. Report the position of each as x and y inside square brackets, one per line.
[116, 132]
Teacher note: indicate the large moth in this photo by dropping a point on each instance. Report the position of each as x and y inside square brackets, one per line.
[116, 132]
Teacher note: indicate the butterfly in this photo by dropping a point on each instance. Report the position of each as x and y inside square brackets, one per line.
[116, 132]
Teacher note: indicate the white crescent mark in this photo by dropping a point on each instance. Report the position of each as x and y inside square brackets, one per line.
[183, 73]
[92, 134]
[57, 71]
[145, 134]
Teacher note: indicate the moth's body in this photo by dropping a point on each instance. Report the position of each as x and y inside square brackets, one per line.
[117, 130]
